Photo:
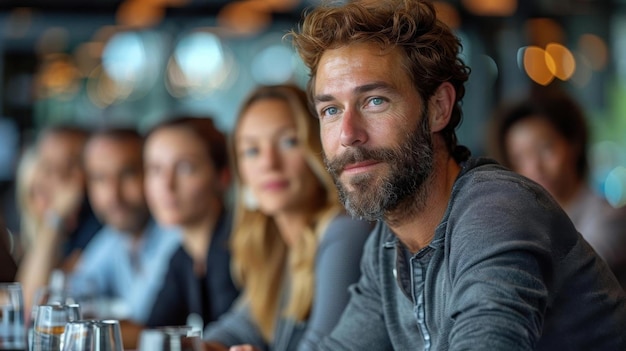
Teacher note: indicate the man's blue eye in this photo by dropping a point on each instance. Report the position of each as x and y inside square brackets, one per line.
[331, 111]
[377, 101]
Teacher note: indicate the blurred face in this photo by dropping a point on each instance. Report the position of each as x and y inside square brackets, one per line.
[181, 181]
[374, 128]
[536, 150]
[271, 159]
[115, 182]
[60, 158]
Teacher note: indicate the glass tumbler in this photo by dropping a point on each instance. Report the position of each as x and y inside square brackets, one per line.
[12, 326]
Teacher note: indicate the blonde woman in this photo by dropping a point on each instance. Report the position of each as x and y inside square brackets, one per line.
[294, 250]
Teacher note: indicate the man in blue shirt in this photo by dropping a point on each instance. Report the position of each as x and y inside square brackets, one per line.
[466, 255]
[124, 265]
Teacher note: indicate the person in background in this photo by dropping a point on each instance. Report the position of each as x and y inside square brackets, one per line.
[466, 254]
[295, 251]
[125, 263]
[187, 176]
[30, 198]
[545, 138]
[64, 222]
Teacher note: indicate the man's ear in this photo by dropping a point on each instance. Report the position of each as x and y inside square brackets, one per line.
[441, 104]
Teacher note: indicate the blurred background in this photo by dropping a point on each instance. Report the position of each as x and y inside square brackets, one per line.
[133, 62]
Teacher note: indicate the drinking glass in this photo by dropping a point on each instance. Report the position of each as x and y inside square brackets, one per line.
[172, 338]
[50, 325]
[12, 328]
[92, 335]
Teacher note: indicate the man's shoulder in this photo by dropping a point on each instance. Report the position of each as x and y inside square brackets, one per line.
[489, 194]
[484, 179]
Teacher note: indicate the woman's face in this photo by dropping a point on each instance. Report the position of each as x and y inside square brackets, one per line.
[537, 150]
[180, 179]
[271, 159]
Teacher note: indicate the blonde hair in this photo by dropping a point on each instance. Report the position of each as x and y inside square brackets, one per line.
[25, 182]
[260, 256]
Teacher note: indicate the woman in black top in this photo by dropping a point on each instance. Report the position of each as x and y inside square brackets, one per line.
[187, 175]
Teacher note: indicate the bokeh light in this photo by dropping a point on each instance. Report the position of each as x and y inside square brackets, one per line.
[199, 65]
[448, 14]
[500, 8]
[615, 187]
[140, 13]
[595, 50]
[245, 17]
[124, 57]
[58, 77]
[538, 65]
[273, 65]
[543, 31]
[564, 62]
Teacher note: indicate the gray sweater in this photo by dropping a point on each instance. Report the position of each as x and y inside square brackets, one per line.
[506, 270]
[336, 267]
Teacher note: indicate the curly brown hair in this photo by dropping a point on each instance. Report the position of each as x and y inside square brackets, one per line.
[431, 48]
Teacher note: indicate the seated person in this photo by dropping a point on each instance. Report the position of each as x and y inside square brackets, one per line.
[187, 175]
[545, 139]
[295, 251]
[62, 221]
[466, 254]
[125, 263]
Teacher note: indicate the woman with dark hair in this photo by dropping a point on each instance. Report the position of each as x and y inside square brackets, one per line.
[186, 177]
[545, 138]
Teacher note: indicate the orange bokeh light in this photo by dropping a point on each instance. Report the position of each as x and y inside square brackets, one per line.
[538, 64]
[564, 62]
[595, 50]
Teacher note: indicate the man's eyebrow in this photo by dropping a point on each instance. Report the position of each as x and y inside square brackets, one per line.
[358, 90]
[372, 86]
[323, 98]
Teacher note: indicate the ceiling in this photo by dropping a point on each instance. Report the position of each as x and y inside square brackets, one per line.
[185, 7]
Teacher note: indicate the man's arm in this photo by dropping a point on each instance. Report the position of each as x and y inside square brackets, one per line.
[502, 250]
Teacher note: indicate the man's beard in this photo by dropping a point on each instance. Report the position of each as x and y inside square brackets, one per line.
[403, 191]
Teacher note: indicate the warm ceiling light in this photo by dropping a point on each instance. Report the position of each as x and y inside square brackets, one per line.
[595, 51]
[280, 5]
[137, 13]
[564, 62]
[448, 14]
[497, 8]
[543, 31]
[245, 17]
[538, 65]
[57, 76]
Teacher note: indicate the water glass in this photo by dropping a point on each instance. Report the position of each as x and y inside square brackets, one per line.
[50, 324]
[173, 338]
[92, 335]
[12, 327]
